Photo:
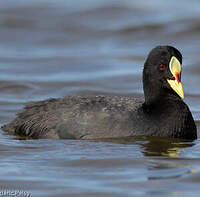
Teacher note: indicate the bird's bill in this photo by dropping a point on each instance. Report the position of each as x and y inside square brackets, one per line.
[175, 69]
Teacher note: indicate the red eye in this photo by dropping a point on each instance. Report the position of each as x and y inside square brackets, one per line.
[162, 67]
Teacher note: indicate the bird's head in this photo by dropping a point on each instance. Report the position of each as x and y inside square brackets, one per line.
[162, 74]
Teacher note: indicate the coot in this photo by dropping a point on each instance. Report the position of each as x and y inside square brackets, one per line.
[162, 113]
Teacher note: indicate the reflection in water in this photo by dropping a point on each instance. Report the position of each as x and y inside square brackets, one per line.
[155, 146]
[165, 146]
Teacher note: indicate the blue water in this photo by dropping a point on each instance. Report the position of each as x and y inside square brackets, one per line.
[58, 48]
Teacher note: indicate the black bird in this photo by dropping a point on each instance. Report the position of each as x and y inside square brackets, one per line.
[163, 113]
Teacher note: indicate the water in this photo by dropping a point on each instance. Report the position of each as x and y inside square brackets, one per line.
[57, 48]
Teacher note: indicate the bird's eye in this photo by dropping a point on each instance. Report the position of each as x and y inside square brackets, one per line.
[162, 67]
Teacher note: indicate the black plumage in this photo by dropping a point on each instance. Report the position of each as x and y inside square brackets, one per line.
[163, 113]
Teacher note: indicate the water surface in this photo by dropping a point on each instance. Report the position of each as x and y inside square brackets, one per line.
[58, 48]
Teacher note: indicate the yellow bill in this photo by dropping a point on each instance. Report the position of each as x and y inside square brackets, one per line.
[175, 69]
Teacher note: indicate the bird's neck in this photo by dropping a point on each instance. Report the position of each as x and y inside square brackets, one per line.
[161, 100]
[155, 93]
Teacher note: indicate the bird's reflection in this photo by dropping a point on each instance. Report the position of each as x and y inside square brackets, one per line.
[159, 146]
[155, 146]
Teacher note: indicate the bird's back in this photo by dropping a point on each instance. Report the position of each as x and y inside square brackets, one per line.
[78, 117]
